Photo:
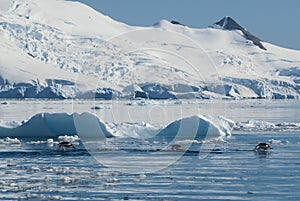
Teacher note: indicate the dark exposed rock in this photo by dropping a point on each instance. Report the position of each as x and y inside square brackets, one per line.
[140, 94]
[177, 23]
[227, 23]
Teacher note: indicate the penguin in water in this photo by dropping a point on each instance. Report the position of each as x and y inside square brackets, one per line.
[177, 147]
[262, 147]
[63, 145]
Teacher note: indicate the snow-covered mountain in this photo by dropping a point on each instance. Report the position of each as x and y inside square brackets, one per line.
[65, 49]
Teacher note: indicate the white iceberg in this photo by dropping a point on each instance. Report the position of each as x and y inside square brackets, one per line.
[197, 127]
[46, 125]
[88, 126]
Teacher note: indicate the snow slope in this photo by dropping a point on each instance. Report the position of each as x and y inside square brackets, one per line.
[65, 49]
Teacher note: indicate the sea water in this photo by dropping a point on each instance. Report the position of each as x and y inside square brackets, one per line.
[230, 170]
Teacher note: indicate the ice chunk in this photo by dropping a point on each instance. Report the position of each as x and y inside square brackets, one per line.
[197, 127]
[257, 125]
[10, 141]
[45, 125]
[134, 130]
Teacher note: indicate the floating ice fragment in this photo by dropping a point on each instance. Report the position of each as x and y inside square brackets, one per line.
[196, 127]
[10, 141]
[50, 142]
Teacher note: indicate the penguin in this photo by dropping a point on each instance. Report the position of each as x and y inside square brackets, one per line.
[262, 147]
[177, 147]
[63, 145]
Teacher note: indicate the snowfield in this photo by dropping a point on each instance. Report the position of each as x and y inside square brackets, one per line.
[47, 52]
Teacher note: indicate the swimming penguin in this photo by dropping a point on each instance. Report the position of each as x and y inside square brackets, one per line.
[262, 147]
[177, 147]
[63, 145]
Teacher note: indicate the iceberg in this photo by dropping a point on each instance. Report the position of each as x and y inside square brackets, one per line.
[197, 127]
[90, 128]
[46, 125]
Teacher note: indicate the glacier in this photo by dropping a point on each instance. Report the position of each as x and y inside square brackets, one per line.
[83, 54]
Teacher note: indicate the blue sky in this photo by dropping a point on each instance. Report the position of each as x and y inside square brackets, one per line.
[274, 21]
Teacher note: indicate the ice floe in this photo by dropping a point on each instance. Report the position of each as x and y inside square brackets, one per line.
[256, 125]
